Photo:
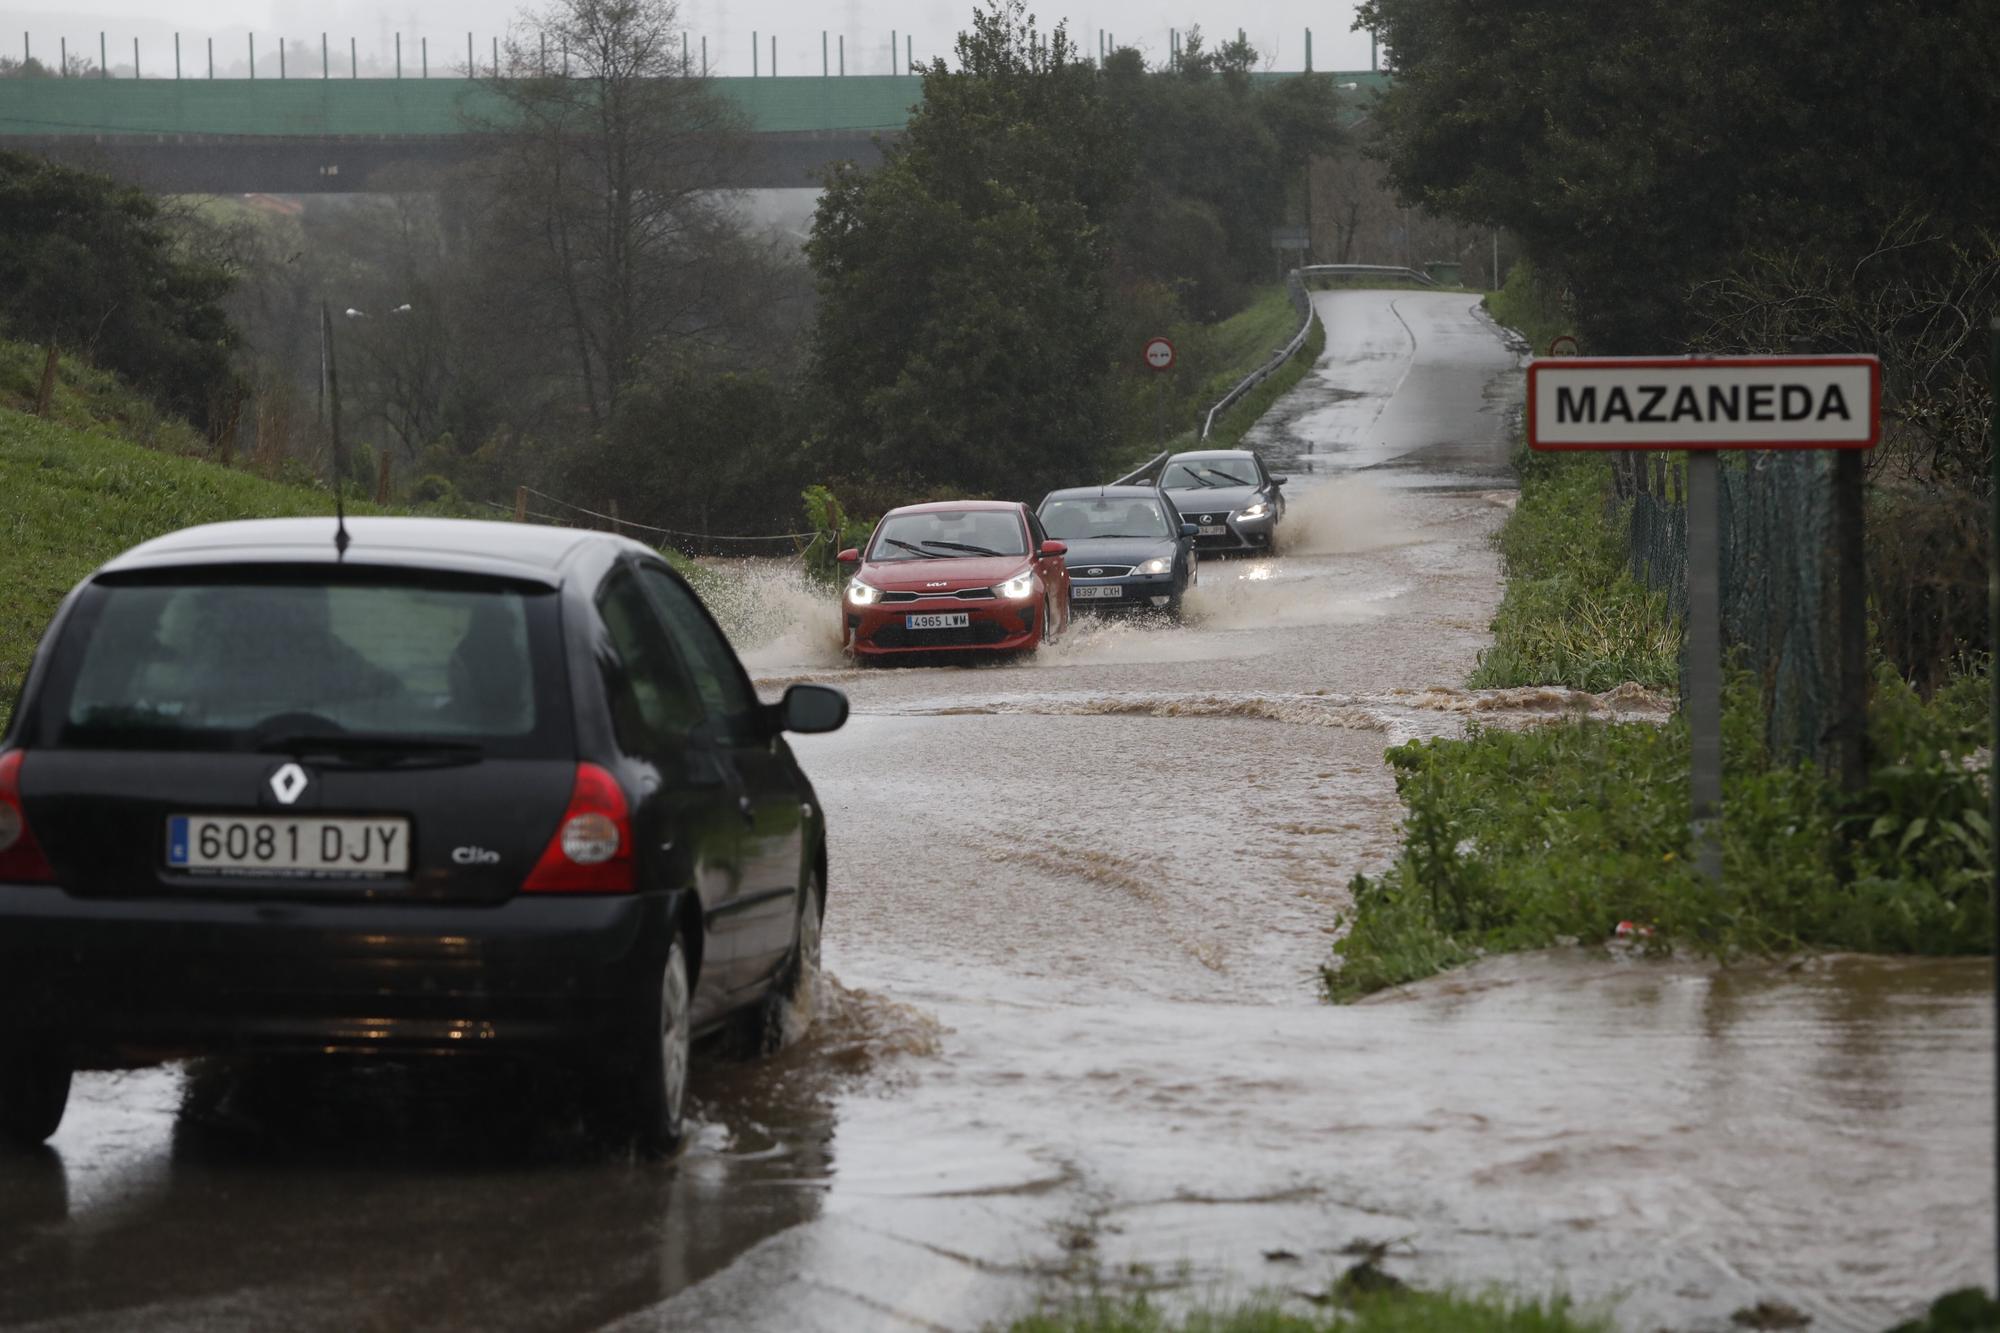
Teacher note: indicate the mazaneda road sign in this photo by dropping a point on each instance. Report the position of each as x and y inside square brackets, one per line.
[1723, 402]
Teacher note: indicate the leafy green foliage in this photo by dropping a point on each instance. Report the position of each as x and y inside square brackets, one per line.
[1389, 1312]
[95, 267]
[1522, 840]
[1642, 147]
[1220, 160]
[1571, 614]
[1967, 1310]
[963, 325]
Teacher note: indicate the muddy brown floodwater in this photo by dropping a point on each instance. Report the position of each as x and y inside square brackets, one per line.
[1076, 914]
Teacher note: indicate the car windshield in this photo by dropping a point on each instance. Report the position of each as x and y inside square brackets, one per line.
[943, 534]
[1195, 473]
[1104, 516]
[254, 665]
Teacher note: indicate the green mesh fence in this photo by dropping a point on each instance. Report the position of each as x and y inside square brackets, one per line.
[1777, 568]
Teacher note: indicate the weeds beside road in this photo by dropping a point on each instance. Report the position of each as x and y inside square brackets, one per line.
[1394, 1311]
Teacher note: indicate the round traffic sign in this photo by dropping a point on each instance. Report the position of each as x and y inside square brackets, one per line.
[1159, 354]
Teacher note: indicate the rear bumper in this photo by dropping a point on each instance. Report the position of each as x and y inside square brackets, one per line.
[119, 975]
[994, 627]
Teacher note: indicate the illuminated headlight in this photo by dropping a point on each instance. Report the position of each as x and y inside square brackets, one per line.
[1261, 509]
[1159, 564]
[1017, 589]
[862, 594]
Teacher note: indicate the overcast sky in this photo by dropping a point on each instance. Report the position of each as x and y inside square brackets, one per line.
[1275, 27]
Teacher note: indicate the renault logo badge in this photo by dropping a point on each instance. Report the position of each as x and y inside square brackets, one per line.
[288, 783]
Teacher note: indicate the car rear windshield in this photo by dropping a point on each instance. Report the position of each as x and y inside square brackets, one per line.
[1103, 516]
[946, 533]
[207, 662]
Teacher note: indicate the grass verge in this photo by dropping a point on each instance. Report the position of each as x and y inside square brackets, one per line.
[1554, 835]
[1394, 1312]
[1571, 613]
[71, 498]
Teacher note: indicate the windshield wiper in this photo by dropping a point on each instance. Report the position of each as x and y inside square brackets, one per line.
[961, 546]
[1234, 480]
[387, 751]
[911, 547]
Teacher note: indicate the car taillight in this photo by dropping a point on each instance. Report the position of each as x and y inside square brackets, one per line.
[21, 859]
[591, 851]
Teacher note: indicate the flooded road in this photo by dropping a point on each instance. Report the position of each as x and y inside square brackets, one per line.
[1077, 909]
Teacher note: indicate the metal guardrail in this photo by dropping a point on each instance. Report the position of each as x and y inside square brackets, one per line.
[1296, 287]
[1295, 284]
[1135, 477]
[1365, 271]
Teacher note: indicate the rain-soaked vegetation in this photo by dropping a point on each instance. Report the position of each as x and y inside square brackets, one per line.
[1560, 834]
[1396, 1311]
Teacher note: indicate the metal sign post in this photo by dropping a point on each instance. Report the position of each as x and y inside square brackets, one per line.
[1704, 405]
[1159, 356]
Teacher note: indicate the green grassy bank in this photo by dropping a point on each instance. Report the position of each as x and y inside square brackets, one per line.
[72, 497]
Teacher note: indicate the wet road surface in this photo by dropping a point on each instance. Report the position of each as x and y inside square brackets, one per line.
[1076, 914]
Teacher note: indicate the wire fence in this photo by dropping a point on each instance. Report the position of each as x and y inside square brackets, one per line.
[1777, 570]
[688, 543]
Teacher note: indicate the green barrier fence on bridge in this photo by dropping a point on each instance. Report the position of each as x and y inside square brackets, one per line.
[335, 107]
[339, 108]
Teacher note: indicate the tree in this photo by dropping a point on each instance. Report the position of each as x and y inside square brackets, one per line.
[608, 193]
[97, 268]
[1641, 148]
[963, 326]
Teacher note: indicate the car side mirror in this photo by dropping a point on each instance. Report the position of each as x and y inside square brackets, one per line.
[849, 557]
[1053, 547]
[1279, 481]
[1190, 530]
[812, 709]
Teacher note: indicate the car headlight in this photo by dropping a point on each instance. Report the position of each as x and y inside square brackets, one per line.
[862, 594]
[1159, 564]
[1261, 509]
[1019, 588]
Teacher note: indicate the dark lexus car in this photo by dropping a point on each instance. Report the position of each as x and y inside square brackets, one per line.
[1128, 548]
[1228, 494]
[467, 787]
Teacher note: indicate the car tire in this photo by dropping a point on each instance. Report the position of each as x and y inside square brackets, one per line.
[786, 1011]
[34, 1092]
[643, 1097]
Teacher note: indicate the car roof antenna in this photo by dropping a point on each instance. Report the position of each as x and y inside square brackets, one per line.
[331, 380]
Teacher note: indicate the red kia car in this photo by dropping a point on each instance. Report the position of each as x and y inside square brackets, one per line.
[966, 575]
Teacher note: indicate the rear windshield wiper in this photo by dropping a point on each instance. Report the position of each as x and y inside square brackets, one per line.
[961, 546]
[384, 750]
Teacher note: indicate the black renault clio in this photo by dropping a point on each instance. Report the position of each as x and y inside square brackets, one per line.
[457, 787]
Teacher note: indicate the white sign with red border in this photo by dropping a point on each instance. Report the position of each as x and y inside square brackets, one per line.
[1721, 402]
[1159, 354]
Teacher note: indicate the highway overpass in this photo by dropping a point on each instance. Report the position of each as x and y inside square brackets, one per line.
[334, 135]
